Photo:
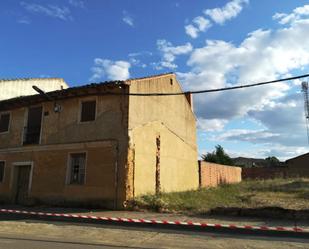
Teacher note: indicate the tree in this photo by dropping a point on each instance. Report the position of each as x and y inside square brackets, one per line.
[273, 161]
[218, 156]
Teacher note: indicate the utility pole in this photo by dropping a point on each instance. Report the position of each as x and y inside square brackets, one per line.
[304, 86]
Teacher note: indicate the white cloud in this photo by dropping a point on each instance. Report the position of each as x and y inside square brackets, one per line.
[227, 12]
[261, 56]
[24, 20]
[253, 136]
[296, 14]
[142, 53]
[127, 18]
[77, 3]
[218, 15]
[112, 70]
[54, 11]
[191, 31]
[199, 24]
[280, 151]
[211, 124]
[169, 53]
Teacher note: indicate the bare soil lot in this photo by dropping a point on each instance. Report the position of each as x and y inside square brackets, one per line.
[290, 196]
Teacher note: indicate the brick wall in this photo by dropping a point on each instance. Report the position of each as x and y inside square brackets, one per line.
[212, 174]
[264, 173]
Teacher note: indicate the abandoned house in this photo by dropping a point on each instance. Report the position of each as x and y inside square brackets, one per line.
[96, 145]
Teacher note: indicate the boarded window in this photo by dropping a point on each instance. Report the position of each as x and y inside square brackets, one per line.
[88, 111]
[4, 122]
[1, 170]
[77, 168]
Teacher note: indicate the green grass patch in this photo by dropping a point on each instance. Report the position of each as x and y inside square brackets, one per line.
[284, 193]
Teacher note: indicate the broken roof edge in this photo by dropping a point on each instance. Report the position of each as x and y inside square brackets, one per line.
[59, 94]
[62, 94]
[151, 76]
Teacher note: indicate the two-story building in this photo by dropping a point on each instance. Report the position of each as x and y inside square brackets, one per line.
[97, 144]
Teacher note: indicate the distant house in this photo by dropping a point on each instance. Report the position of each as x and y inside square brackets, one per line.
[11, 88]
[255, 162]
[250, 162]
[298, 166]
[96, 144]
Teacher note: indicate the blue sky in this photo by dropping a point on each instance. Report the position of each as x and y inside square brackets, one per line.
[209, 44]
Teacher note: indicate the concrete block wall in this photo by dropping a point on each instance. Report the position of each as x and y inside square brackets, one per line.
[212, 174]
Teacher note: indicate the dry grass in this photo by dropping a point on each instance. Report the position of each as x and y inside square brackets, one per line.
[284, 193]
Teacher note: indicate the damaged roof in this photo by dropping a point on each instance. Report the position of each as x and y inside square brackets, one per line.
[71, 92]
[78, 91]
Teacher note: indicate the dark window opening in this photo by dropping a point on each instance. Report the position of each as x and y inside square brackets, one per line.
[77, 168]
[88, 111]
[32, 131]
[1, 170]
[4, 122]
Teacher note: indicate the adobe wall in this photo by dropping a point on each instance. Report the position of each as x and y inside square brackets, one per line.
[178, 169]
[212, 174]
[50, 171]
[63, 128]
[174, 111]
[170, 118]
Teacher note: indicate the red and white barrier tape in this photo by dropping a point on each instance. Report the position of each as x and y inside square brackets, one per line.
[181, 223]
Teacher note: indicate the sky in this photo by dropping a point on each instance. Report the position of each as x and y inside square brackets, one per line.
[208, 44]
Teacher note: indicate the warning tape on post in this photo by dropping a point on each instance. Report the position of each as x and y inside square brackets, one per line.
[161, 222]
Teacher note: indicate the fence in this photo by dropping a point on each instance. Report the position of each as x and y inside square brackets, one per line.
[212, 174]
[264, 173]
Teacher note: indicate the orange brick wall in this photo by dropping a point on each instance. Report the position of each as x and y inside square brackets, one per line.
[212, 174]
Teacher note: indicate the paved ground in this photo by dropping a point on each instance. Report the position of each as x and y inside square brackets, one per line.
[169, 216]
[33, 234]
[203, 218]
[54, 234]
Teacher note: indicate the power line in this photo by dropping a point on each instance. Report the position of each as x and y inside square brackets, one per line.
[217, 89]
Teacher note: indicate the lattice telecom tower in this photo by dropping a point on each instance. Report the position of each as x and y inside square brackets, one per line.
[304, 86]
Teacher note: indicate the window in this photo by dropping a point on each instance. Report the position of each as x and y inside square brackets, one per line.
[77, 168]
[1, 170]
[88, 111]
[4, 122]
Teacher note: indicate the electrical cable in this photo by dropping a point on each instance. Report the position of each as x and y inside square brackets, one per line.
[217, 89]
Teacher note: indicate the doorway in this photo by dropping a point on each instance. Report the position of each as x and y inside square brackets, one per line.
[22, 183]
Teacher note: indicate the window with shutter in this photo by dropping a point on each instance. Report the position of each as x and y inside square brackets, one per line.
[88, 111]
[4, 122]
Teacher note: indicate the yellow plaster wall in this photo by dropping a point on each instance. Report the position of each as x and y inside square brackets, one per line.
[178, 167]
[170, 117]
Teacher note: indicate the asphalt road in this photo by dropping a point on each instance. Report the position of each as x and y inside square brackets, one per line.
[8, 242]
[45, 235]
